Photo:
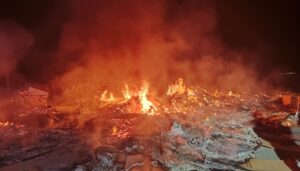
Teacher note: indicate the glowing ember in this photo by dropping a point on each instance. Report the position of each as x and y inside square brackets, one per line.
[191, 95]
[230, 93]
[3, 124]
[10, 124]
[217, 93]
[233, 94]
[114, 130]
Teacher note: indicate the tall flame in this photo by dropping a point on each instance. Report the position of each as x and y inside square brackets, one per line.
[105, 97]
[177, 88]
[147, 106]
[141, 94]
[126, 93]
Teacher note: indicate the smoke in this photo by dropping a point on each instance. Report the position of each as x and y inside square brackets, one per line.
[158, 41]
[14, 42]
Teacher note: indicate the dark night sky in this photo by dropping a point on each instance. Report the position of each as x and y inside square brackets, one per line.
[246, 24]
[275, 23]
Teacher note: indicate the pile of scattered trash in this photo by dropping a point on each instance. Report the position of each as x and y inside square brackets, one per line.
[192, 130]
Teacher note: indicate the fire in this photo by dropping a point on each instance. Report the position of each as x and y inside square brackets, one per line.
[105, 97]
[233, 94]
[217, 93]
[114, 130]
[177, 88]
[126, 93]
[136, 99]
[8, 124]
[230, 93]
[147, 106]
[3, 124]
[191, 95]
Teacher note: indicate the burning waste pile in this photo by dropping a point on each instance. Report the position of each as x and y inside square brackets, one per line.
[189, 128]
[85, 119]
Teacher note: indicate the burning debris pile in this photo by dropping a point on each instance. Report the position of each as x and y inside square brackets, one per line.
[95, 114]
[189, 128]
[134, 101]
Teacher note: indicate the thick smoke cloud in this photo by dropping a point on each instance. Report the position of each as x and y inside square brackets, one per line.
[14, 42]
[159, 41]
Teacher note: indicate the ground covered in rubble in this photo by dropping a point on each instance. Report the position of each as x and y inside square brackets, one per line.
[190, 129]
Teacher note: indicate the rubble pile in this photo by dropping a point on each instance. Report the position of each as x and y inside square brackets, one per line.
[23, 144]
[190, 129]
[190, 147]
[32, 97]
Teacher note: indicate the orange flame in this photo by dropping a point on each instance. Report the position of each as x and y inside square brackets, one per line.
[126, 93]
[3, 124]
[105, 97]
[147, 106]
[114, 130]
[7, 123]
[177, 88]
[230, 93]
